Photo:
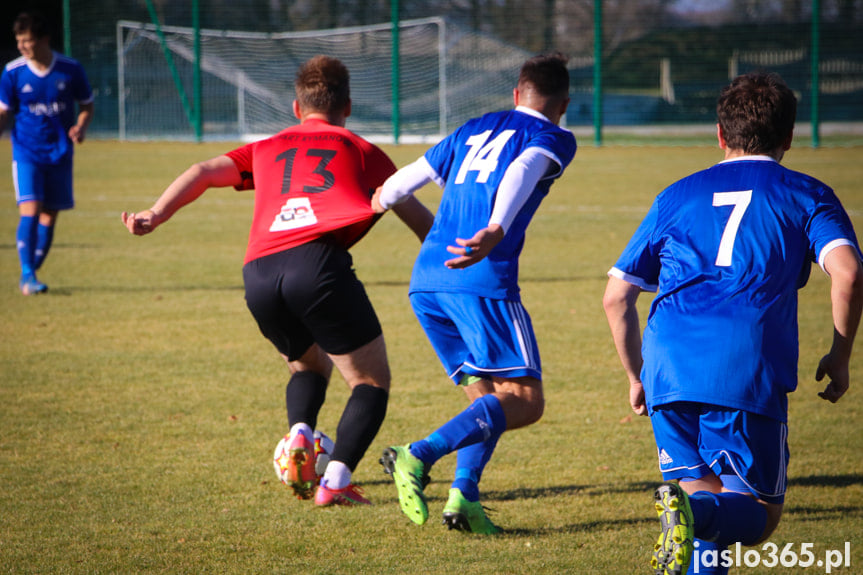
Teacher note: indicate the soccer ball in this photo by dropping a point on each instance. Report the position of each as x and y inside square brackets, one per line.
[282, 458]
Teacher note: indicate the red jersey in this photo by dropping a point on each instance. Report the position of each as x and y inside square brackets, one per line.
[310, 180]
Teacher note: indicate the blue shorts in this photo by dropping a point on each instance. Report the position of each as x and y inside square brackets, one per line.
[749, 452]
[478, 336]
[49, 184]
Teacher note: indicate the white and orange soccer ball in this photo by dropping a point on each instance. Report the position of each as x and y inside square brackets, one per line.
[323, 450]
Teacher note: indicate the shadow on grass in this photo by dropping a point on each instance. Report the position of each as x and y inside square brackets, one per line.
[521, 280]
[589, 526]
[644, 487]
[59, 246]
[843, 512]
[816, 513]
[845, 480]
[71, 290]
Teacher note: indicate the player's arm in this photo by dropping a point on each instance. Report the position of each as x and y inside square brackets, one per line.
[397, 193]
[85, 116]
[516, 186]
[402, 185]
[415, 215]
[6, 99]
[619, 304]
[218, 172]
[846, 296]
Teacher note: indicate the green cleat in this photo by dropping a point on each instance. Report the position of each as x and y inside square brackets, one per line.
[465, 515]
[673, 549]
[410, 476]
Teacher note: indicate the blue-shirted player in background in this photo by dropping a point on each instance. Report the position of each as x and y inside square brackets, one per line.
[40, 90]
[494, 170]
[727, 249]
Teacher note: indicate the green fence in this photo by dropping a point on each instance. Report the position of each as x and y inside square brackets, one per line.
[662, 62]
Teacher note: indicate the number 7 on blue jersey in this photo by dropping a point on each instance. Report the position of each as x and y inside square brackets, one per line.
[740, 201]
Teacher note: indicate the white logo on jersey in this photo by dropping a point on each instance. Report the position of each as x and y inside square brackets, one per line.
[50, 109]
[26, 89]
[61, 85]
[664, 458]
[296, 213]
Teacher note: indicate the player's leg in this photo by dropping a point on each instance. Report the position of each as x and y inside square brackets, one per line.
[44, 237]
[675, 429]
[751, 457]
[343, 322]
[409, 473]
[366, 371]
[58, 196]
[26, 239]
[304, 397]
[479, 426]
[307, 388]
[310, 367]
[740, 506]
[463, 510]
[491, 339]
[29, 192]
[722, 517]
[693, 513]
[472, 459]
[498, 405]
[462, 332]
[521, 402]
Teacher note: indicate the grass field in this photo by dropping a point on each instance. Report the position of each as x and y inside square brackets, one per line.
[140, 406]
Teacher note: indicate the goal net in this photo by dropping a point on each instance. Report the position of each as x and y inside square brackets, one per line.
[448, 74]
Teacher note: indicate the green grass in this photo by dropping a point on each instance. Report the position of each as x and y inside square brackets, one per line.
[141, 406]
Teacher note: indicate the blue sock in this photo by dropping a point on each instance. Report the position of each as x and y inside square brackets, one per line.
[726, 518]
[470, 462]
[482, 420]
[707, 559]
[26, 242]
[44, 239]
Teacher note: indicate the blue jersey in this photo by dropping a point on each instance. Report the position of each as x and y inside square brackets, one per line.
[469, 165]
[43, 105]
[728, 248]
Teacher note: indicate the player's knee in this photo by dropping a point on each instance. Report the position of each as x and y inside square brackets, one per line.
[538, 408]
[533, 403]
[774, 514]
[380, 380]
[531, 410]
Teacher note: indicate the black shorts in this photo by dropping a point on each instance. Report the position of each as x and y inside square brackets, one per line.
[310, 294]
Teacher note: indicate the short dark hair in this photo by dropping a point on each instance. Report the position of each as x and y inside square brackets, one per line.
[756, 112]
[323, 85]
[32, 22]
[547, 73]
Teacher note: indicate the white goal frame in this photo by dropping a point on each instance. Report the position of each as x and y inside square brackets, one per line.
[245, 85]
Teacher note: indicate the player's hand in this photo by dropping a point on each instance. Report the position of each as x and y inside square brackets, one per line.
[141, 223]
[838, 373]
[376, 201]
[473, 250]
[76, 134]
[636, 398]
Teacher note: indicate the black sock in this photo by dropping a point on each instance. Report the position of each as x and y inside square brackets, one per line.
[360, 422]
[304, 396]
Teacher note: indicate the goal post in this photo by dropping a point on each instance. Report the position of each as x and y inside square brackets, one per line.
[247, 78]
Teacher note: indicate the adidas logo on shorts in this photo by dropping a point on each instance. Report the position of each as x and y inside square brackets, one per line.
[664, 458]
